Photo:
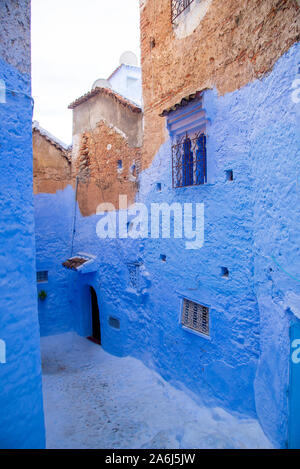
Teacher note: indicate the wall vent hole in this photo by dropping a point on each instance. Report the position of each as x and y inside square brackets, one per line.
[229, 175]
[224, 272]
[114, 322]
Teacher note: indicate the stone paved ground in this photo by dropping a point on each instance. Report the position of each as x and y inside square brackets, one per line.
[95, 400]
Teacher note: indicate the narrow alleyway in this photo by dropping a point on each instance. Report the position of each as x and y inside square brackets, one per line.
[95, 400]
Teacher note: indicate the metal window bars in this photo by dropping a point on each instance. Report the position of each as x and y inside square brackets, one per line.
[42, 276]
[134, 270]
[177, 7]
[189, 165]
[195, 316]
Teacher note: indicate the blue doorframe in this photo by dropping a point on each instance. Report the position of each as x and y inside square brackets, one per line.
[294, 394]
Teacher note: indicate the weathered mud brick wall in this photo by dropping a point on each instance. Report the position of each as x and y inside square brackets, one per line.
[107, 133]
[51, 164]
[222, 45]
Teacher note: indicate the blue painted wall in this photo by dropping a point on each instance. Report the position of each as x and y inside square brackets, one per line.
[244, 367]
[53, 247]
[127, 81]
[276, 152]
[21, 407]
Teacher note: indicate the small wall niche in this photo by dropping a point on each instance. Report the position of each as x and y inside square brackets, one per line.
[158, 187]
[133, 170]
[152, 43]
[114, 323]
[163, 258]
[229, 175]
[225, 273]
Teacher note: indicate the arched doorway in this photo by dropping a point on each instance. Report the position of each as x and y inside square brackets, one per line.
[96, 331]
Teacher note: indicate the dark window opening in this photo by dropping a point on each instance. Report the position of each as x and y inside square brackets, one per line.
[163, 257]
[114, 323]
[189, 165]
[96, 331]
[229, 175]
[225, 272]
[42, 276]
[120, 164]
[133, 170]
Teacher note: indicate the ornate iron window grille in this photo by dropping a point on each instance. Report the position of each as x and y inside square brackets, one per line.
[177, 7]
[189, 166]
[195, 316]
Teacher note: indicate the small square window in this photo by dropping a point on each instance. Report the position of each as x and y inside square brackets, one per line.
[195, 316]
[42, 276]
[229, 175]
[224, 272]
[114, 323]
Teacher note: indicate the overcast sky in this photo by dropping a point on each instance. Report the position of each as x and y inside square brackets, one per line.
[74, 42]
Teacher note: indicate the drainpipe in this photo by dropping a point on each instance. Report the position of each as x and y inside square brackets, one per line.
[74, 216]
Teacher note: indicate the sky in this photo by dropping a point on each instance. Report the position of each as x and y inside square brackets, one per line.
[74, 42]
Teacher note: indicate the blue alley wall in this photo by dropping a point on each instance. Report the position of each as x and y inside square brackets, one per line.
[21, 407]
[53, 246]
[248, 221]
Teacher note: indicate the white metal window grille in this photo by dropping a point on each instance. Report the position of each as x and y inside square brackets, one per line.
[195, 316]
[134, 269]
[42, 276]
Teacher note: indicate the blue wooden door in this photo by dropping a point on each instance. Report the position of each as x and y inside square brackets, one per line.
[294, 395]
